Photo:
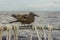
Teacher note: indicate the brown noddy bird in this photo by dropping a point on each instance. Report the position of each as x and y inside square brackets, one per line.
[25, 19]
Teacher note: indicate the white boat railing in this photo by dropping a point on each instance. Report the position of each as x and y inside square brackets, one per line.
[8, 28]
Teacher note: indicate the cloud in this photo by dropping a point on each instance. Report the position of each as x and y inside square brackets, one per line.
[45, 5]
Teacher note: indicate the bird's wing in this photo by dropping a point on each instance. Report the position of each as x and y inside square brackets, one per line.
[22, 18]
[25, 17]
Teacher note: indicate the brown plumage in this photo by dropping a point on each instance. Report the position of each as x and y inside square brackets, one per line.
[25, 19]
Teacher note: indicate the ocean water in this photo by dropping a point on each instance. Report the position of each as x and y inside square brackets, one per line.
[45, 17]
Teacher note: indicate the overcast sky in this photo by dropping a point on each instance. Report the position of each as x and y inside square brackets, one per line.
[29, 5]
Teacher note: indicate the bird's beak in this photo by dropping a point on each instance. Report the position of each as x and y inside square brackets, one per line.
[36, 15]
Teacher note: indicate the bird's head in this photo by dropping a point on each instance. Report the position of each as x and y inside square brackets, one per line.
[13, 15]
[31, 13]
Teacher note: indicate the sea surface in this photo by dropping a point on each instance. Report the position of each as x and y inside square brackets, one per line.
[45, 18]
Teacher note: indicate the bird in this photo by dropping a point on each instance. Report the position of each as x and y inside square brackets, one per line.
[25, 18]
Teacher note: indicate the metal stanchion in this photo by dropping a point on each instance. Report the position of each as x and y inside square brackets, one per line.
[41, 27]
[50, 28]
[1, 30]
[16, 29]
[37, 32]
[9, 29]
[32, 32]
